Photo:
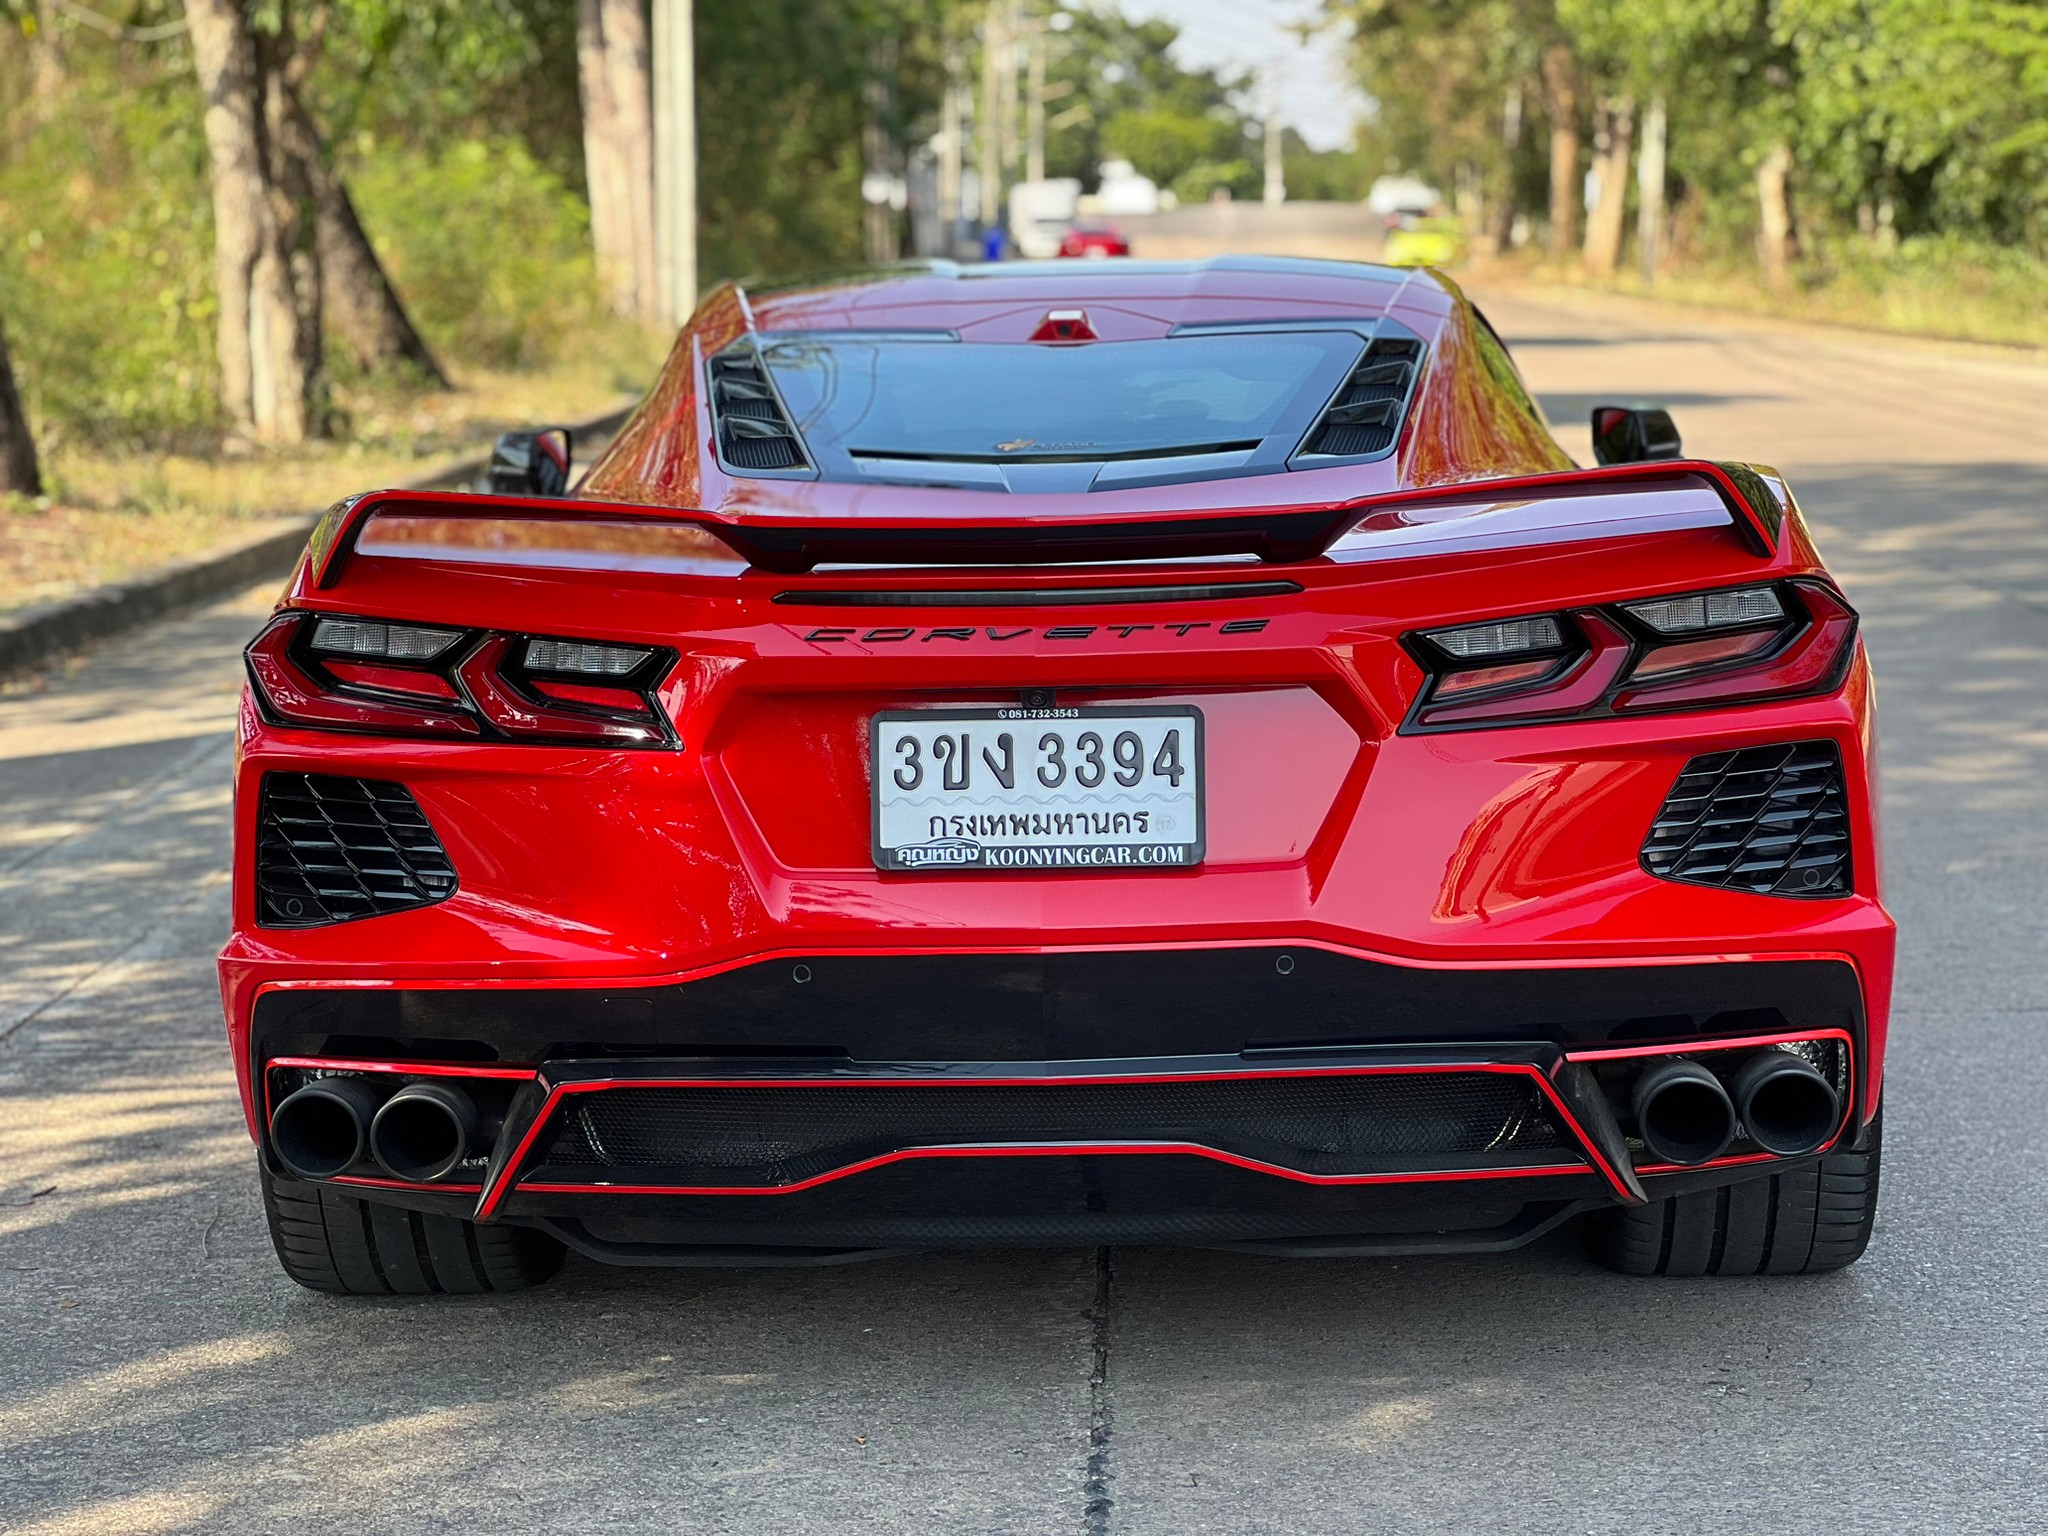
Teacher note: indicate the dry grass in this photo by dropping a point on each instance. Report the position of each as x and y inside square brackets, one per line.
[1955, 301]
[109, 517]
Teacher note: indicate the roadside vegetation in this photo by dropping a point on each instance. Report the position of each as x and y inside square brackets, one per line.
[413, 222]
[1880, 163]
[412, 212]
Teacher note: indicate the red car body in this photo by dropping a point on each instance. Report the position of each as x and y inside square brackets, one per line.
[1409, 912]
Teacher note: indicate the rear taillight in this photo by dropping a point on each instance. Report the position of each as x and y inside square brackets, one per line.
[1805, 651]
[295, 686]
[393, 679]
[1735, 645]
[497, 679]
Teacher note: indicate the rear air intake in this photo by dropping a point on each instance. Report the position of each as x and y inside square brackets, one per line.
[753, 431]
[1772, 820]
[330, 849]
[734, 1136]
[1366, 416]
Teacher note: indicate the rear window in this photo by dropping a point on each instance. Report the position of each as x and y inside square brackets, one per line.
[933, 398]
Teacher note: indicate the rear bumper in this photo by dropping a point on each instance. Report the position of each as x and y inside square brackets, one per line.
[1293, 1098]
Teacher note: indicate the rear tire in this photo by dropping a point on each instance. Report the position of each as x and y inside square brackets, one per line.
[1805, 1221]
[328, 1241]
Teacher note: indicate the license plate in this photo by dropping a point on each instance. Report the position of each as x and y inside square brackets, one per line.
[1044, 789]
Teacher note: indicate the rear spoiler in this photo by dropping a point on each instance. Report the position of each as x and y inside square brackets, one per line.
[791, 546]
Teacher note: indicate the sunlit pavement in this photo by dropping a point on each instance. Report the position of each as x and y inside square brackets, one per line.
[157, 1372]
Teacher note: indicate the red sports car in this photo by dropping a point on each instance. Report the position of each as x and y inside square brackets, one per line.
[1094, 240]
[1064, 754]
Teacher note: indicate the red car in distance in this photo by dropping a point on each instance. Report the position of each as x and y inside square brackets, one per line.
[1059, 754]
[1094, 240]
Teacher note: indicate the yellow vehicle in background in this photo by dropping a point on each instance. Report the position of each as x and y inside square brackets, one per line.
[1420, 241]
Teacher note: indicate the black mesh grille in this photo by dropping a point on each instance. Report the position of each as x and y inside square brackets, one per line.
[1768, 819]
[330, 849]
[764, 1137]
[753, 433]
[1366, 415]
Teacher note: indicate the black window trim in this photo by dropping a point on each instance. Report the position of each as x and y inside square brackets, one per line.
[1279, 452]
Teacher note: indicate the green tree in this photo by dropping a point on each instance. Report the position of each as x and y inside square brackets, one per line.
[1936, 109]
[1124, 97]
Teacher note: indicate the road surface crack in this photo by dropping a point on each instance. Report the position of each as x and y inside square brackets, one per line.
[1096, 1485]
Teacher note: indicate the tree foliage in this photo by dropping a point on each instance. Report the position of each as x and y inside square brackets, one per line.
[1935, 111]
[456, 126]
[1126, 98]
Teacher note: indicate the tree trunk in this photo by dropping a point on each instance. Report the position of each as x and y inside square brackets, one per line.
[356, 293]
[265, 263]
[879, 235]
[618, 149]
[292, 173]
[18, 471]
[1650, 189]
[1774, 229]
[952, 150]
[1604, 225]
[1561, 105]
[1499, 233]
[48, 76]
[995, 45]
[674, 56]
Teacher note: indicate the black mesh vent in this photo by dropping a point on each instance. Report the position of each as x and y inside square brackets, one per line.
[764, 1137]
[753, 433]
[1768, 819]
[1366, 415]
[330, 849]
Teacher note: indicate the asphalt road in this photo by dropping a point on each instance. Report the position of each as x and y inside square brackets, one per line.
[158, 1374]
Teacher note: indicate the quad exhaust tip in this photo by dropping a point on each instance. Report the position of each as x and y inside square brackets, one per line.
[1787, 1107]
[1780, 1101]
[419, 1134]
[321, 1129]
[423, 1132]
[1683, 1114]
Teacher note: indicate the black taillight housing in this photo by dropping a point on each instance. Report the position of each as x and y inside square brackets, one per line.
[388, 678]
[1730, 645]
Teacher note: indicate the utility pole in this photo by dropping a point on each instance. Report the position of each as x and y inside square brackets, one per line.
[995, 48]
[1034, 109]
[1276, 173]
[952, 151]
[1013, 29]
[675, 159]
[881, 189]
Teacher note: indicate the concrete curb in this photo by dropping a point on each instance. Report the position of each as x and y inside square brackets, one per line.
[270, 548]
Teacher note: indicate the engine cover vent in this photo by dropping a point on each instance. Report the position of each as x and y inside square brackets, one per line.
[1365, 418]
[332, 849]
[754, 433]
[1773, 820]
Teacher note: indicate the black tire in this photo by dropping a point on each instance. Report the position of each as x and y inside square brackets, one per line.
[1805, 1221]
[328, 1241]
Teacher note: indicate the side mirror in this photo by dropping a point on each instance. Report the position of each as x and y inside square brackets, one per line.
[529, 464]
[1628, 435]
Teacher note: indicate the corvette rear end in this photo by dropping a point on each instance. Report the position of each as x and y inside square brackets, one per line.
[1411, 843]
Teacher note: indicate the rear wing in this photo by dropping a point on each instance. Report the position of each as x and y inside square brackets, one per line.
[1575, 504]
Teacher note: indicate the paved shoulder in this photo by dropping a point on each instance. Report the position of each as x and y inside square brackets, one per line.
[158, 1373]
